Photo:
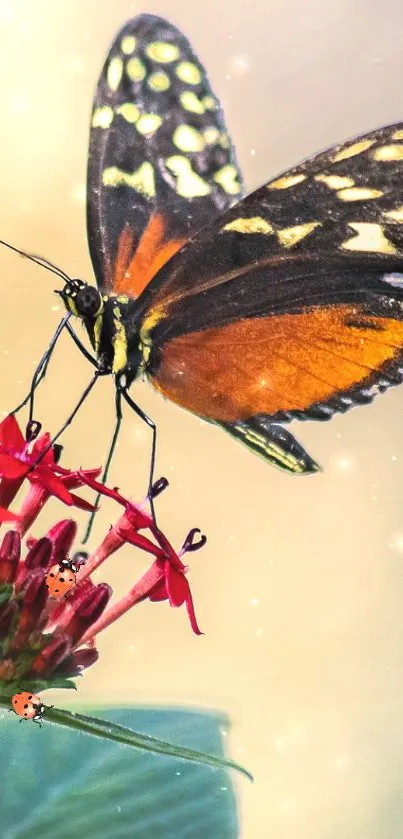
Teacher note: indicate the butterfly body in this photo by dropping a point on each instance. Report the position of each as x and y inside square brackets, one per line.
[248, 312]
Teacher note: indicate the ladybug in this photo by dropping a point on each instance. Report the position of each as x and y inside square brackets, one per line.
[28, 706]
[62, 578]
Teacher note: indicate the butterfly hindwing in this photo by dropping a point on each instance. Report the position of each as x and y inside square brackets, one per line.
[291, 304]
[161, 164]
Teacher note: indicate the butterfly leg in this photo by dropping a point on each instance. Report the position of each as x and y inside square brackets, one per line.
[40, 370]
[151, 424]
[47, 356]
[153, 489]
[118, 406]
[81, 346]
[71, 416]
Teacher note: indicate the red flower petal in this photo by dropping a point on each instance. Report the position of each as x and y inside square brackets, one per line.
[6, 515]
[101, 488]
[179, 592]
[40, 444]
[74, 480]
[191, 613]
[159, 593]
[10, 467]
[52, 484]
[8, 490]
[176, 584]
[167, 551]
[11, 436]
[139, 541]
[81, 503]
[137, 517]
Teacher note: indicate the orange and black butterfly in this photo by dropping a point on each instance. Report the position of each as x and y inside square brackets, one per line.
[285, 304]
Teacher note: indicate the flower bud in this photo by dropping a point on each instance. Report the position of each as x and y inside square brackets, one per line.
[39, 556]
[74, 664]
[88, 611]
[48, 659]
[10, 552]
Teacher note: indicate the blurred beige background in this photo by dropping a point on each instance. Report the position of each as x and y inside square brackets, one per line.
[300, 589]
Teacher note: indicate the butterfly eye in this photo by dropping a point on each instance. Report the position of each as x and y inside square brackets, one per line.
[88, 301]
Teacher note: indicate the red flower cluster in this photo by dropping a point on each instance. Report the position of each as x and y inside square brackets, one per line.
[19, 460]
[43, 638]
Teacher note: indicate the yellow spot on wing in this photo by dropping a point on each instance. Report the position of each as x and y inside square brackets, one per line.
[128, 44]
[114, 72]
[135, 69]
[129, 112]
[368, 237]
[102, 117]
[188, 139]
[387, 153]
[211, 135]
[271, 450]
[359, 194]
[227, 178]
[398, 135]
[256, 224]
[190, 102]
[188, 73]
[210, 103]
[158, 81]
[286, 182]
[162, 52]
[148, 124]
[189, 183]
[395, 215]
[142, 180]
[334, 181]
[353, 150]
[290, 236]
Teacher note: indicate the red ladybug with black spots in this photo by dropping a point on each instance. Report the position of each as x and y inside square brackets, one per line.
[28, 706]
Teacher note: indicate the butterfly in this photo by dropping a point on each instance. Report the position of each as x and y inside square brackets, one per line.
[248, 312]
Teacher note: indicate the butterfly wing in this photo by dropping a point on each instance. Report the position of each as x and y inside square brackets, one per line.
[160, 163]
[298, 306]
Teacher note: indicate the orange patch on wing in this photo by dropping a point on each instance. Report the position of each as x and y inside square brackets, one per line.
[132, 275]
[277, 363]
[123, 256]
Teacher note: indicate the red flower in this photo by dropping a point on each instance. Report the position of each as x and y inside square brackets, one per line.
[19, 459]
[44, 638]
[41, 636]
[164, 580]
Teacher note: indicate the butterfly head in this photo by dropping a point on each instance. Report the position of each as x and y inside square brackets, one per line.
[81, 299]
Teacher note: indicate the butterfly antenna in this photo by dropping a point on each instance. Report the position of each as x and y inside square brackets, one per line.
[40, 260]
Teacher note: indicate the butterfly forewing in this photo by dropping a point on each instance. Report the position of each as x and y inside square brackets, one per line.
[161, 164]
[297, 306]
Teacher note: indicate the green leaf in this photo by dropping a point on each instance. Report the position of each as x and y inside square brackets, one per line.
[60, 783]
